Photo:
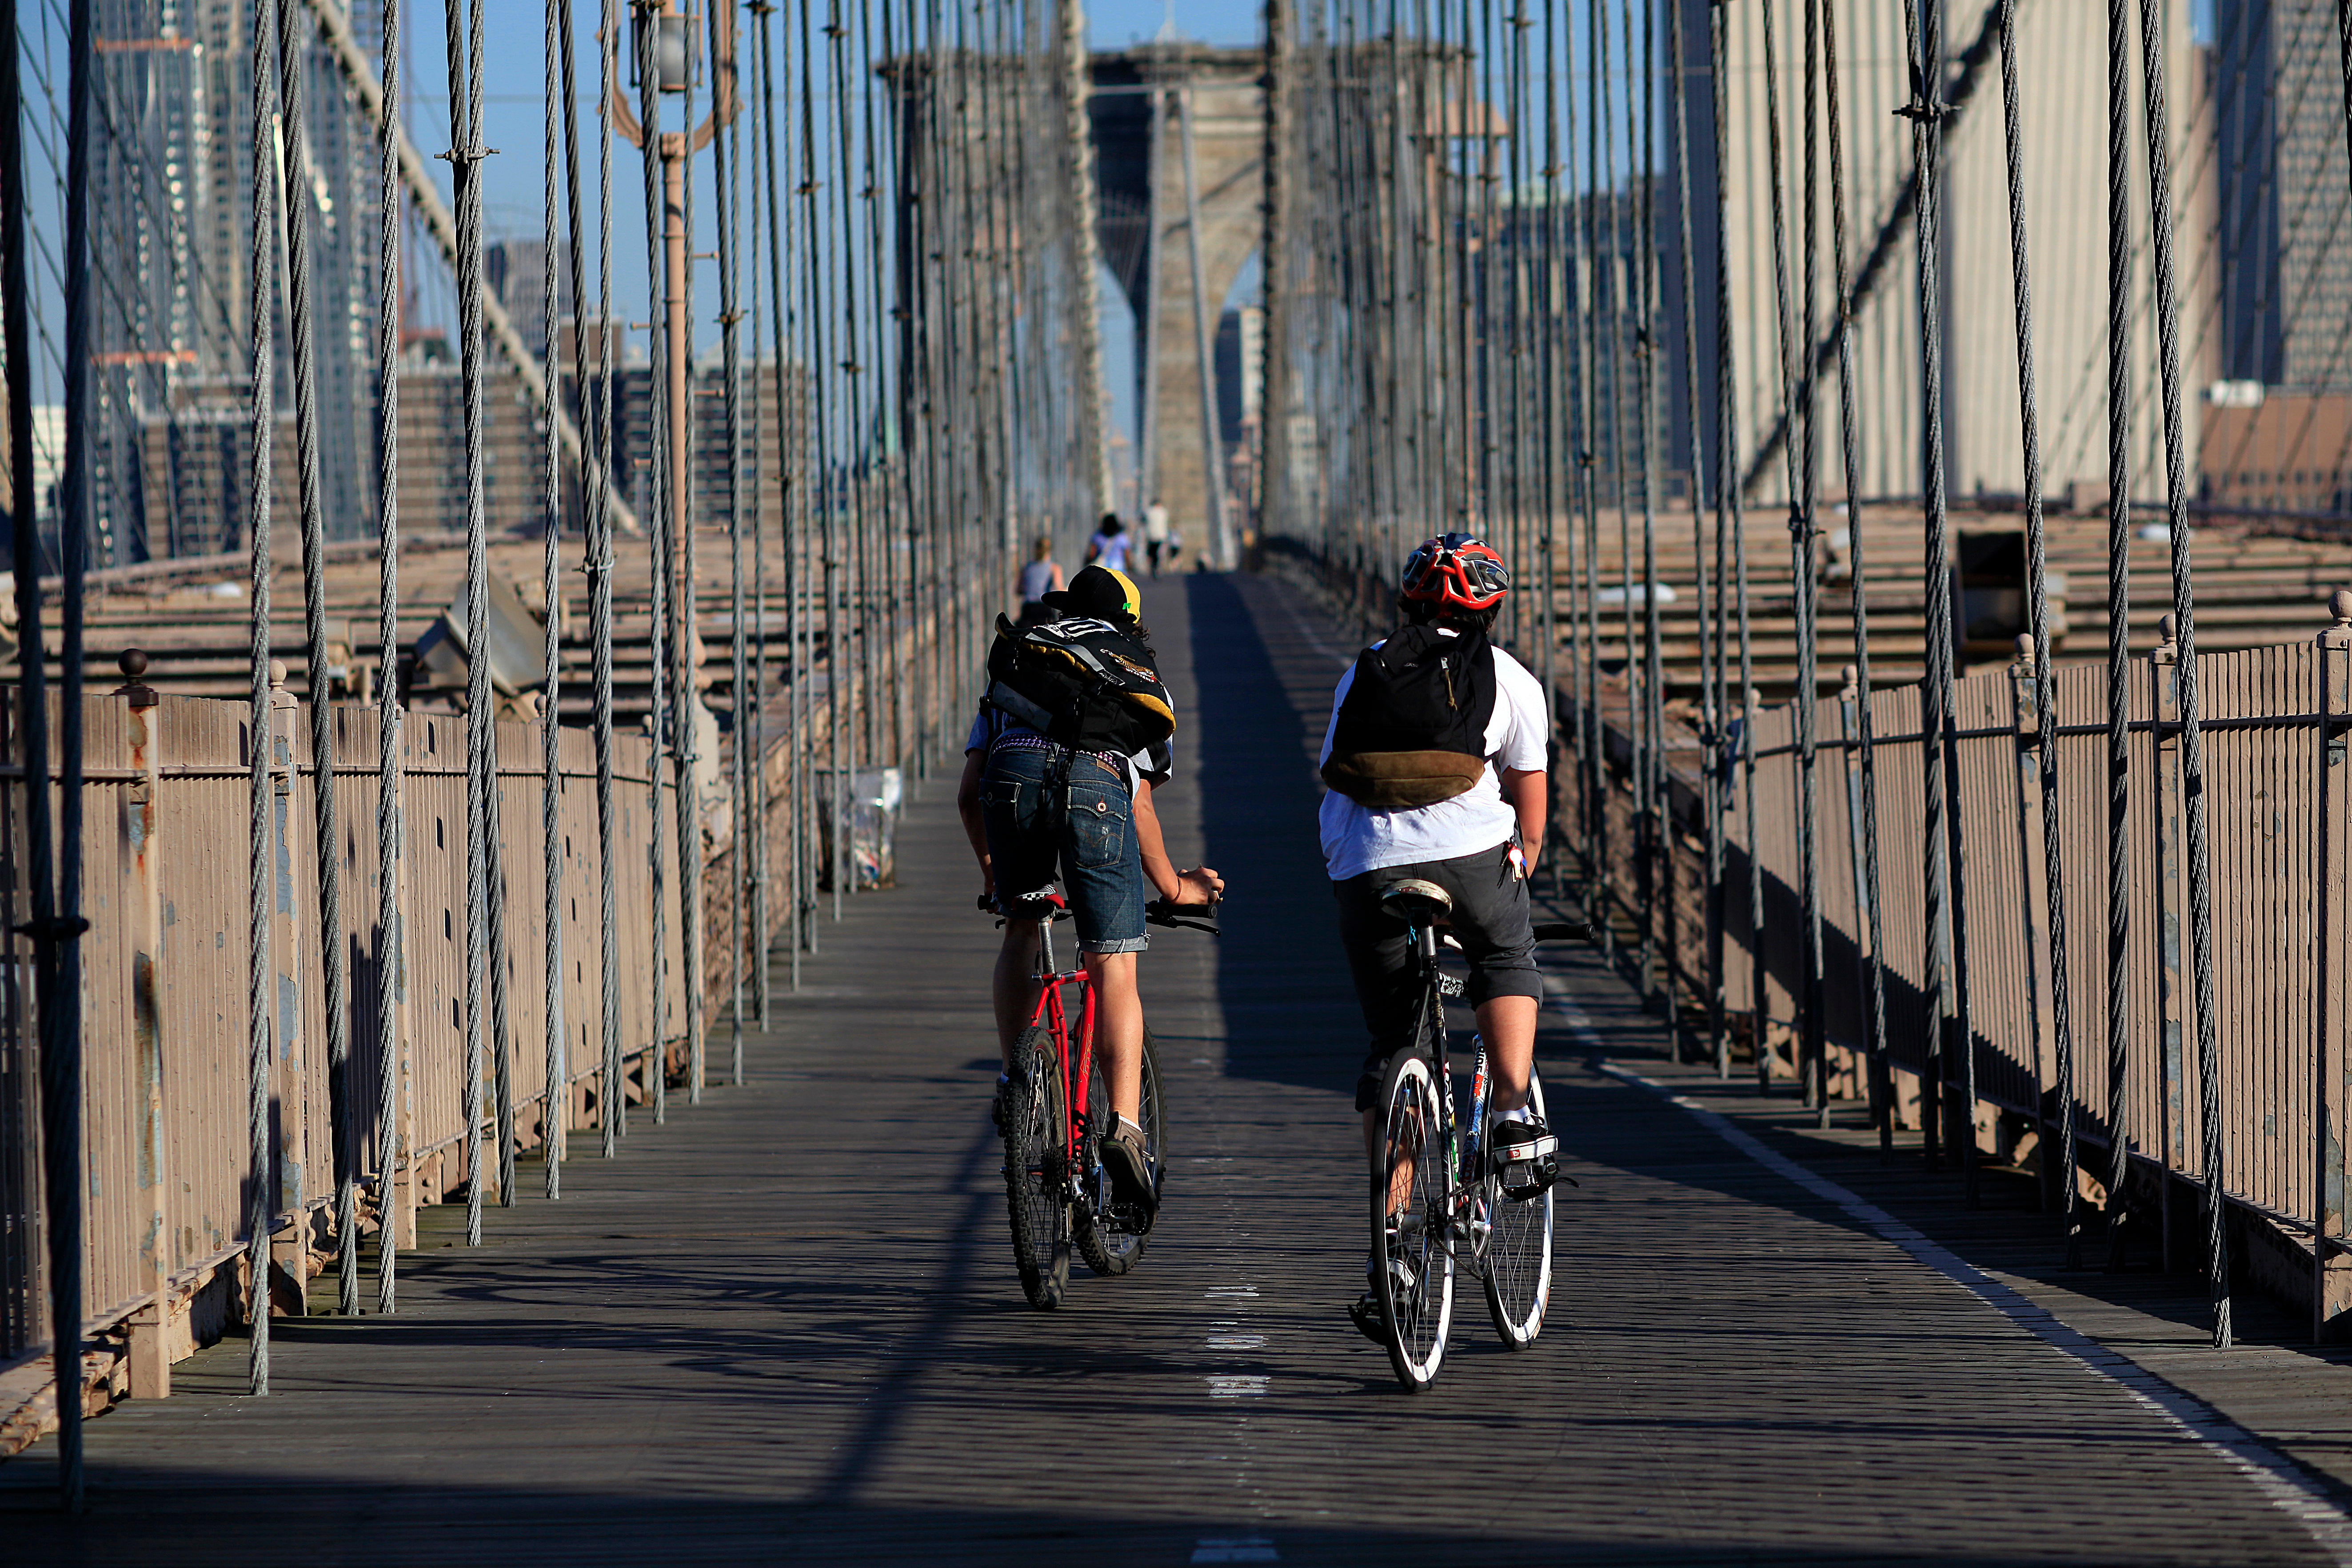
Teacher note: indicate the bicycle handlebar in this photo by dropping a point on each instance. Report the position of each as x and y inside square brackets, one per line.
[1190, 917]
[1159, 913]
[1564, 931]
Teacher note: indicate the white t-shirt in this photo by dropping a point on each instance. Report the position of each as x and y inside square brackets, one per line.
[1155, 524]
[1110, 549]
[1359, 839]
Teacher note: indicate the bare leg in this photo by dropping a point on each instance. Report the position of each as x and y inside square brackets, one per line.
[1012, 990]
[1118, 1029]
[1508, 1024]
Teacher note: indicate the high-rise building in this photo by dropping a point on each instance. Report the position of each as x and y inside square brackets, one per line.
[2286, 265]
[2063, 95]
[173, 224]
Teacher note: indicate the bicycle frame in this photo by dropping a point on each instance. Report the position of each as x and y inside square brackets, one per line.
[1077, 1066]
[1461, 1147]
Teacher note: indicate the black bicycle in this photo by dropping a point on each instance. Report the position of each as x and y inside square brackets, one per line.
[1440, 1201]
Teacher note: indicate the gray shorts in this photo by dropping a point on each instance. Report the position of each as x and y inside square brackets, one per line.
[1490, 920]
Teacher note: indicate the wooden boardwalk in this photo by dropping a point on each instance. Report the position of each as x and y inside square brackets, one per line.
[785, 1326]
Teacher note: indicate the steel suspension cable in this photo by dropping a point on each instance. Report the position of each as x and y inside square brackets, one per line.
[1881, 1085]
[392, 952]
[556, 1081]
[261, 717]
[465, 153]
[299, 302]
[2199, 871]
[821, 378]
[2045, 714]
[1730, 521]
[1709, 737]
[726, 173]
[612, 1093]
[661, 520]
[2119, 603]
[686, 711]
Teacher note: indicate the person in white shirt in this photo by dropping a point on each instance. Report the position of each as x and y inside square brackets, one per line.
[1108, 549]
[1156, 535]
[1438, 773]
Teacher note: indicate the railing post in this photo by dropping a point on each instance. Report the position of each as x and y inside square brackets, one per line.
[2172, 1140]
[2034, 877]
[291, 1247]
[150, 1355]
[1878, 1082]
[404, 1193]
[2331, 1277]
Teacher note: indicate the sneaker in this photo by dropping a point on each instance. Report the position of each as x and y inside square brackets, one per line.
[1526, 1155]
[1129, 1168]
[996, 1106]
[1365, 1311]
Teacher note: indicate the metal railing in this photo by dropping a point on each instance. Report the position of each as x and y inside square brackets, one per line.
[2276, 721]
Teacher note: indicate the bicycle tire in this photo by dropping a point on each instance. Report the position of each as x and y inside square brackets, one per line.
[1410, 1222]
[1034, 1166]
[1108, 1246]
[1518, 1251]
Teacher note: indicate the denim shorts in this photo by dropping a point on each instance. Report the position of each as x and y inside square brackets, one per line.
[1086, 828]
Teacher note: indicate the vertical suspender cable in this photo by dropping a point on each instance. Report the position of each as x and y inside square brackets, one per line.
[1653, 839]
[2184, 609]
[392, 954]
[1709, 714]
[556, 1106]
[726, 152]
[1926, 111]
[1881, 1087]
[1804, 527]
[2119, 599]
[656, 1067]
[464, 150]
[2046, 711]
[828, 551]
[762, 189]
[791, 440]
[261, 1008]
[1792, 396]
[292, 46]
[686, 644]
[1729, 519]
[57, 1001]
[612, 1092]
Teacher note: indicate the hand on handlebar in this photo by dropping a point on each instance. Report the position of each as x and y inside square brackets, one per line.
[1200, 885]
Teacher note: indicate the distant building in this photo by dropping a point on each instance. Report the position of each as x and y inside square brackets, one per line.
[516, 271]
[2285, 267]
[2290, 451]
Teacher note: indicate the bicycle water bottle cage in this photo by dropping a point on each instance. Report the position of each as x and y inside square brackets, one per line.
[1418, 903]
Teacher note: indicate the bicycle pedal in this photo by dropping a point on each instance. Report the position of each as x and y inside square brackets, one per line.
[1449, 985]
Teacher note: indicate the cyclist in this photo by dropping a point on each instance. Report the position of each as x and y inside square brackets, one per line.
[1029, 804]
[1435, 754]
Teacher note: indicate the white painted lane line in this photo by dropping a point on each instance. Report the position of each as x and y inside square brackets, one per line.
[1229, 1386]
[1235, 1548]
[2280, 1480]
[1236, 1341]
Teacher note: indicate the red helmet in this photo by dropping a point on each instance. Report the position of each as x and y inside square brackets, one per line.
[1456, 572]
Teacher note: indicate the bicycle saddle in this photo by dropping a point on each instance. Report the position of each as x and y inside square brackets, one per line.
[1415, 902]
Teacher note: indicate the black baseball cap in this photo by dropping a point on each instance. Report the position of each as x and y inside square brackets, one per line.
[1098, 592]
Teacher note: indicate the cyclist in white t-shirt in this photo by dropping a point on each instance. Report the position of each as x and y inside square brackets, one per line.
[1458, 727]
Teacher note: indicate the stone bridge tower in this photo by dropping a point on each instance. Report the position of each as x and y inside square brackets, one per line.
[1141, 96]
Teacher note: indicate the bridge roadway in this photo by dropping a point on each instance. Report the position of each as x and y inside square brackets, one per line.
[785, 1324]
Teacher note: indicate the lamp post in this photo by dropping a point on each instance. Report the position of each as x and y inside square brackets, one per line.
[677, 61]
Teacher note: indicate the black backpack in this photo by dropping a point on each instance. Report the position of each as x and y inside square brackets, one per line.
[1080, 683]
[1412, 730]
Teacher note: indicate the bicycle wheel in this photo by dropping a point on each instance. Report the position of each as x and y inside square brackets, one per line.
[1034, 1161]
[1111, 1240]
[1410, 1227]
[1519, 1252]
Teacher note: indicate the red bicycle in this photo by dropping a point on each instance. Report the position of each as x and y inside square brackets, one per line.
[1056, 1111]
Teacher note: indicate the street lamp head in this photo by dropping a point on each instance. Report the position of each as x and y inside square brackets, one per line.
[676, 62]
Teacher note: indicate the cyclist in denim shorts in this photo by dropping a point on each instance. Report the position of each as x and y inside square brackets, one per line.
[1099, 831]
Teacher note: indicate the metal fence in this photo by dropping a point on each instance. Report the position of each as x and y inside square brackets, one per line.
[2276, 721]
[164, 1079]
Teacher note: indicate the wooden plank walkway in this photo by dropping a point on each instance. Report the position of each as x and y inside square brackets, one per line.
[785, 1326]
